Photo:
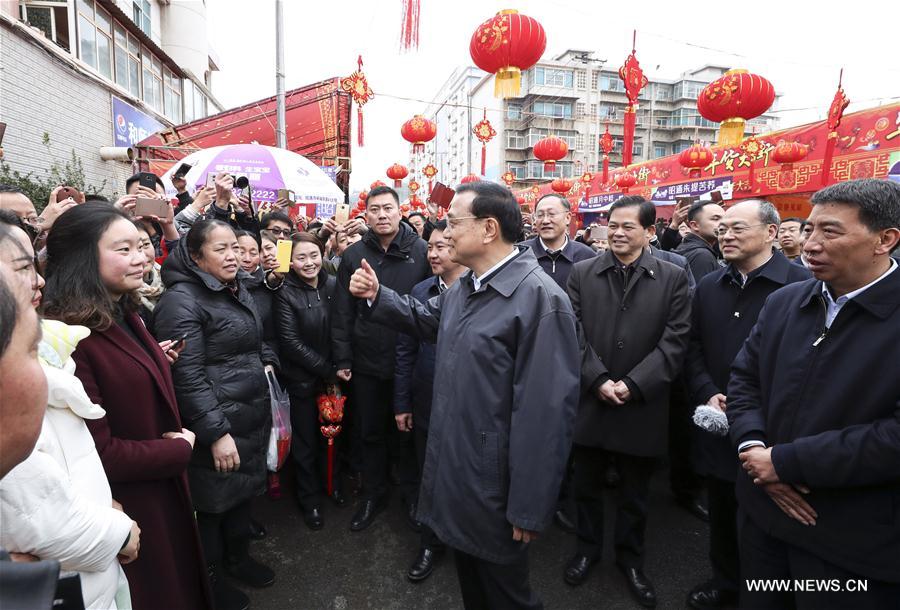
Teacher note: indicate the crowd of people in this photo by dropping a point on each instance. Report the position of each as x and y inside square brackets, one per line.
[500, 374]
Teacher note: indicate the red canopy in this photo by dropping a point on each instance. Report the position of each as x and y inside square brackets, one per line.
[317, 119]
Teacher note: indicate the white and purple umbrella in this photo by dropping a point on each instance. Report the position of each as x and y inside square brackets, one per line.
[268, 169]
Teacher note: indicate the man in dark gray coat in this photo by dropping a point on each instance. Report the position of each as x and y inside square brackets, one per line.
[500, 430]
[635, 312]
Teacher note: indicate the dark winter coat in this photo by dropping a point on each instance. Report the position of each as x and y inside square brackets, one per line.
[678, 261]
[503, 410]
[637, 335]
[263, 296]
[219, 378]
[147, 473]
[415, 363]
[723, 314]
[560, 269]
[828, 404]
[702, 257]
[359, 344]
[303, 321]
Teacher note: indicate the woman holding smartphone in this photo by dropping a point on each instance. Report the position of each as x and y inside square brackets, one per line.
[95, 268]
[303, 320]
[223, 395]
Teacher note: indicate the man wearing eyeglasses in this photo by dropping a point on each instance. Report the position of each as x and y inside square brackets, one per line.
[504, 400]
[277, 223]
[726, 305]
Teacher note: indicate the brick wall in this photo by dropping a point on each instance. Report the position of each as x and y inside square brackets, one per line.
[41, 94]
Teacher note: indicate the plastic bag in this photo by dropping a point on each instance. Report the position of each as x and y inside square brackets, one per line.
[280, 437]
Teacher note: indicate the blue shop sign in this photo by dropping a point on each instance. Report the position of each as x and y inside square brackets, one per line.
[130, 125]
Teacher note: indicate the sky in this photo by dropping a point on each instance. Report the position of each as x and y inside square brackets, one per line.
[799, 46]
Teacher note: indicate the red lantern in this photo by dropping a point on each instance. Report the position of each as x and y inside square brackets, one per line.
[506, 44]
[364, 195]
[625, 180]
[376, 184]
[485, 132]
[358, 87]
[417, 131]
[521, 200]
[733, 98]
[470, 178]
[561, 185]
[361, 204]
[508, 178]
[695, 158]
[397, 173]
[550, 150]
[788, 153]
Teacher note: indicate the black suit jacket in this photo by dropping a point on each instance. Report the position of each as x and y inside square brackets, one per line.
[828, 403]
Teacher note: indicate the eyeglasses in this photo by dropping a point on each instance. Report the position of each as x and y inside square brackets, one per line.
[547, 215]
[282, 232]
[736, 230]
[454, 222]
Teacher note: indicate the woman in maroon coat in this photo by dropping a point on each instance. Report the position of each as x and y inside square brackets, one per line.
[94, 267]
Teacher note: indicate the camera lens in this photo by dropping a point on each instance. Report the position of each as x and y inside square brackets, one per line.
[241, 182]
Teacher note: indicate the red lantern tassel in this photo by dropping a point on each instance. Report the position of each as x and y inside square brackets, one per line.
[549, 166]
[429, 186]
[359, 126]
[829, 154]
[483, 158]
[605, 168]
[630, 116]
[397, 183]
[330, 466]
[409, 34]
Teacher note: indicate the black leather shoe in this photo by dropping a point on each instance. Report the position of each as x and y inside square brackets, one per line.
[563, 522]
[226, 596]
[694, 506]
[422, 566]
[577, 570]
[708, 596]
[313, 518]
[338, 497]
[251, 573]
[411, 520]
[257, 530]
[365, 515]
[640, 586]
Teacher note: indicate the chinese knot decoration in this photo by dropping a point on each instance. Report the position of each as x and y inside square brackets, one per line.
[625, 180]
[429, 171]
[508, 178]
[695, 159]
[586, 179]
[733, 98]
[417, 131]
[635, 80]
[397, 173]
[550, 150]
[606, 145]
[485, 132]
[788, 153]
[470, 178]
[561, 185]
[835, 114]
[331, 415]
[506, 44]
[358, 87]
[413, 187]
[416, 203]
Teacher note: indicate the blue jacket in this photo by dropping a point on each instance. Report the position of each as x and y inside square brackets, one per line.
[560, 269]
[723, 315]
[828, 403]
[414, 368]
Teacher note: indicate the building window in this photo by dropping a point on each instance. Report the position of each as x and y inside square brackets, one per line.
[688, 89]
[514, 112]
[553, 109]
[517, 170]
[172, 95]
[659, 150]
[51, 18]
[141, 13]
[579, 110]
[593, 110]
[637, 149]
[152, 81]
[553, 78]
[663, 92]
[680, 146]
[95, 37]
[595, 76]
[200, 104]
[536, 170]
[515, 139]
[579, 142]
[128, 61]
[582, 79]
[611, 82]
[607, 112]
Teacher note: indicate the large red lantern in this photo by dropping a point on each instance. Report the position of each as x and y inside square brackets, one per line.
[470, 178]
[506, 44]
[485, 132]
[733, 98]
[417, 131]
[550, 150]
[788, 153]
[363, 195]
[376, 184]
[625, 180]
[397, 173]
[561, 185]
[695, 159]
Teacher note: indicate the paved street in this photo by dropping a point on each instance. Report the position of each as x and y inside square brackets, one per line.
[336, 569]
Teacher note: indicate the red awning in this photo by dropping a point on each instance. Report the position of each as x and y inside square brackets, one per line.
[317, 120]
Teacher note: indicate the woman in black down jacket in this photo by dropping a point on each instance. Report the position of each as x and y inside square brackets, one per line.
[222, 394]
[303, 321]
